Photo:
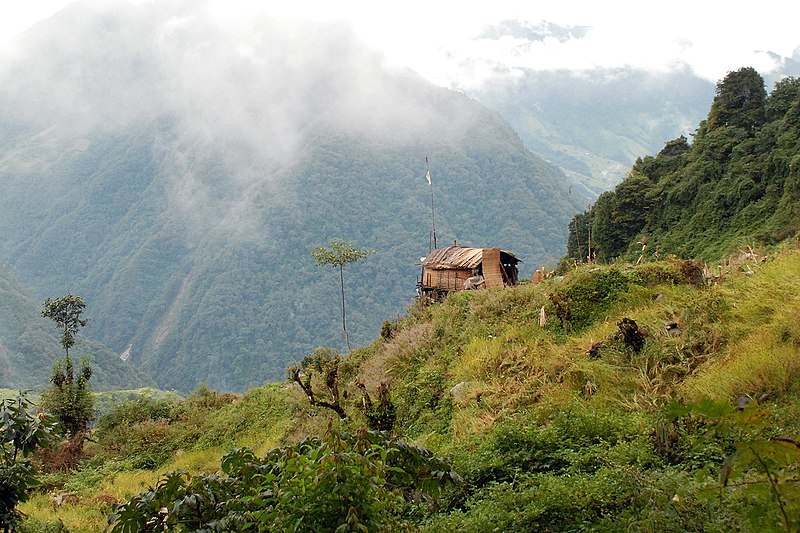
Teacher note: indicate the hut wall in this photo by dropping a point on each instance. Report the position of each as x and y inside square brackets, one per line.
[449, 280]
[492, 271]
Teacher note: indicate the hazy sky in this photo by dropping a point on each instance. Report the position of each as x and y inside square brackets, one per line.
[442, 39]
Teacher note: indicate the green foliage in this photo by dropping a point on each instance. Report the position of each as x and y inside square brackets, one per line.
[66, 312]
[69, 398]
[740, 101]
[587, 296]
[138, 432]
[340, 254]
[22, 431]
[341, 482]
[147, 432]
[319, 368]
[134, 411]
[575, 469]
[733, 186]
[381, 415]
[760, 472]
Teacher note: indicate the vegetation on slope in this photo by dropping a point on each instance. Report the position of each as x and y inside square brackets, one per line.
[737, 183]
[559, 426]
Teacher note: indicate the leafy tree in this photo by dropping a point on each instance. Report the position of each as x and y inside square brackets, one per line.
[608, 239]
[785, 93]
[22, 431]
[579, 236]
[69, 397]
[66, 313]
[340, 254]
[323, 364]
[740, 101]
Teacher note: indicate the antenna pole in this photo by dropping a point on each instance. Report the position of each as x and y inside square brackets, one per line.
[433, 210]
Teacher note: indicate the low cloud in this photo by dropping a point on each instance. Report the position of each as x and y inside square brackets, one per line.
[238, 99]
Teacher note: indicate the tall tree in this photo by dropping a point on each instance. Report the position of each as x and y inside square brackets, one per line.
[340, 254]
[69, 397]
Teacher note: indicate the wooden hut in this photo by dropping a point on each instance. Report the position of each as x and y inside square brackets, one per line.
[447, 269]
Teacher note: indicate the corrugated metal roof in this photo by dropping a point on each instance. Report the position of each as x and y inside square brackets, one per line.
[456, 257]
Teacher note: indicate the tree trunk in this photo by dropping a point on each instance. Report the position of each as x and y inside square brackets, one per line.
[344, 314]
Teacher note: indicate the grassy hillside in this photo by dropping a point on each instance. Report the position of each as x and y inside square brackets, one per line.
[575, 423]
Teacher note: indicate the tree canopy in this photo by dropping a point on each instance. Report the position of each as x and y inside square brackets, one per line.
[66, 311]
[737, 183]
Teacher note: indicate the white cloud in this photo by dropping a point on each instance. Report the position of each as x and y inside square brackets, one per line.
[438, 39]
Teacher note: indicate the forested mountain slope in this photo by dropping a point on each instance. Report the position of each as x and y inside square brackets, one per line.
[30, 344]
[176, 172]
[736, 184]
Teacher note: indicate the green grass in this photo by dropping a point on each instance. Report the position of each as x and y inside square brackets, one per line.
[546, 433]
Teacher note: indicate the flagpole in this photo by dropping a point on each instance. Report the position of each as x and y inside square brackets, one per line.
[433, 211]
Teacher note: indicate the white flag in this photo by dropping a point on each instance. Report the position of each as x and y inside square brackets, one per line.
[428, 176]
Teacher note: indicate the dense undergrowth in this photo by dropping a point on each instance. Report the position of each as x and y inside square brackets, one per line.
[602, 400]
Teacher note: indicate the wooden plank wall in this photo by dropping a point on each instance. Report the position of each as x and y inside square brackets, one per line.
[450, 280]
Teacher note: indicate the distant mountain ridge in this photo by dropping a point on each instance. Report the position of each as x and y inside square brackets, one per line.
[594, 123]
[176, 174]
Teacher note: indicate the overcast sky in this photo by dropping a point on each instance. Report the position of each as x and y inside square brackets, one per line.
[447, 41]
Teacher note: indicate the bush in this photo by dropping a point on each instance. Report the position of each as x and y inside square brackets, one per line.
[343, 482]
[653, 274]
[132, 412]
[586, 297]
[22, 431]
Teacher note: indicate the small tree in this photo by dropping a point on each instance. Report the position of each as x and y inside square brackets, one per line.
[381, 415]
[69, 397]
[340, 253]
[322, 365]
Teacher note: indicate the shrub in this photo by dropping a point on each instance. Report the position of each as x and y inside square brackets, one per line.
[22, 431]
[652, 274]
[343, 482]
[587, 297]
[134, 411]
